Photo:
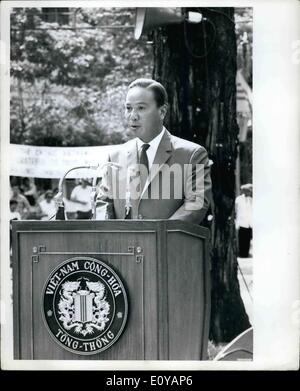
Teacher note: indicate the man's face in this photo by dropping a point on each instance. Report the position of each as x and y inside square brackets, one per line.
[13, 207]
[247, 192]
[144, 118]
[48, 198]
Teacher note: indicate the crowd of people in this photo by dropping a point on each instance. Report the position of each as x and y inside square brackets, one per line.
[27, 202]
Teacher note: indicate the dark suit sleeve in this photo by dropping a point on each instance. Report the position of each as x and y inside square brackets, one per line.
[197, 189]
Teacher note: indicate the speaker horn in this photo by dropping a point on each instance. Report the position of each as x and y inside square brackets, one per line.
[148, 19]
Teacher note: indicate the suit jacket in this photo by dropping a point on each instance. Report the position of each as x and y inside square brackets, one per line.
[178, 186]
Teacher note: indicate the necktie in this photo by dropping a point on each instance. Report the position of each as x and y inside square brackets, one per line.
[145, 163]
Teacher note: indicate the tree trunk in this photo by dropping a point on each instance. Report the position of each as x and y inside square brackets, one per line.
[197, 64]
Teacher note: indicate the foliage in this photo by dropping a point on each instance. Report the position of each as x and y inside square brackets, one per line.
[68, 85]
[68, 81]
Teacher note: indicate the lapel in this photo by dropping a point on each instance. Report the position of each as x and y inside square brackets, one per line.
[163, 154]
[132, 154]
[131, 162]
[127, 159]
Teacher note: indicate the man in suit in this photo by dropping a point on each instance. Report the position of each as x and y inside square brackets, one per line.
[160, 176]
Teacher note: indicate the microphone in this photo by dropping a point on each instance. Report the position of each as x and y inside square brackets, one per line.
[94, 185]
[128, 205]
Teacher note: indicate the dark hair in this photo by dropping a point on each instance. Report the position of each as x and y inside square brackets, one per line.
[48, 193]
[159, 91]
[12, 202]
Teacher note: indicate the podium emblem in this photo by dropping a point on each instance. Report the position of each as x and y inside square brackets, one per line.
[84, 305]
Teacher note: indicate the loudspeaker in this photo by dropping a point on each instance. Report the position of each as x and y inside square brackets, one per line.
[148, 19]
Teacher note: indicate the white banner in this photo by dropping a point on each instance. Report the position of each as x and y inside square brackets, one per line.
[54, 162]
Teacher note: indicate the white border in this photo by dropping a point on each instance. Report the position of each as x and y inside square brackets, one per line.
[276, 191]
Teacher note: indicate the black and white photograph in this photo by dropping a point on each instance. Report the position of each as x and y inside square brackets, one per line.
[140, 198]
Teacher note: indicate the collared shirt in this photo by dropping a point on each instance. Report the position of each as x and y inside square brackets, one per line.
[82, 194]
[15, 216]
[154, 143]
[48, 209]
[243, 206]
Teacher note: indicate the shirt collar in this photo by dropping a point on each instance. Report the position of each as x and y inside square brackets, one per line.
[154, 143]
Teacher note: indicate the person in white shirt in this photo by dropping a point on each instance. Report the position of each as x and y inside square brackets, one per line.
[47, 207]
[81, 194]
[243, 222]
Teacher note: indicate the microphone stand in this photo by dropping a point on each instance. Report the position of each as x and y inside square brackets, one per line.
[128, 205]
[94, 185]
[61, 214]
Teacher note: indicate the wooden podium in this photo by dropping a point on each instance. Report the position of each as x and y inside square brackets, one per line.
[162, 264]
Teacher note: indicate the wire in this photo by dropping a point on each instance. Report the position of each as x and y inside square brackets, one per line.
[187, 42]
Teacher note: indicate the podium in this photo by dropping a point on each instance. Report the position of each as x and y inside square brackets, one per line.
[110, 290]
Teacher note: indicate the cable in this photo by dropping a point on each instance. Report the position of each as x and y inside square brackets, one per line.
[187, 42]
